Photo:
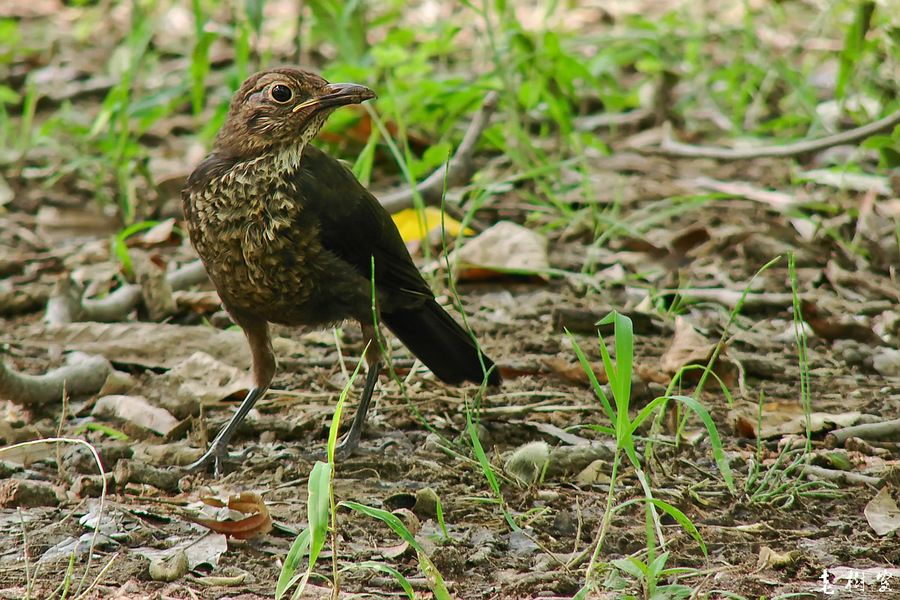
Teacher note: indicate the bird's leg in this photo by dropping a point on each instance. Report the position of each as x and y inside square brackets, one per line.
[375, 363]
[263, 362]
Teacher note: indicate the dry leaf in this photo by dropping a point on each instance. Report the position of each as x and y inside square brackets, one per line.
[156, 345]
[207, 548]
[503, 249]
[169, 568]
[161, 233]
[245, 516]
[65, 223]
[208, 380]
[779, 201]
[412, 524]
[573, 373]
[833, 329]
[769, 558]
[6, 192]
[199, 301]
[137, 410]
[148, 345]
[779, 419]
[882, 512]
[845, 180]
[744, 427]
[689, 348]
[596, 472]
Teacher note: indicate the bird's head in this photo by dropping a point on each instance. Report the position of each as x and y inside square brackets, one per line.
[278, 111]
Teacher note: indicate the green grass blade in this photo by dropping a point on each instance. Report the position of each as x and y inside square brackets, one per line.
[319, 506]
[389, 519]
[317, 513]
[377, 566]
[339, 410]
[120, 248]
[714, 439]
[582, 594]
[854, 43]
[673, 512]
[199, 69]
[487, 470]
[111, 432]
[288, 576]
[706, 419]
[439, 508]
[436, 582]
[598, 389]
[623, 334]
[657, 564]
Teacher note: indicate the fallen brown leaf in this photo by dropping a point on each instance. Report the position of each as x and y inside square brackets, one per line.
[249, 503]
[690, 348]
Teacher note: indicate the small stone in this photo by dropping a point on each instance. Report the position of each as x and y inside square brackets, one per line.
[426, 504]
[547, 496]
[887, 362]
[169, 570]
[565, 523]
[90, 486]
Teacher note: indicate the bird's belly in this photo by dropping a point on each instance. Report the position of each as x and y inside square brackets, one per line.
[286, 278]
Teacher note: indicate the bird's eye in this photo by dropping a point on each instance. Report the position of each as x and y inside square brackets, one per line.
[281, 93]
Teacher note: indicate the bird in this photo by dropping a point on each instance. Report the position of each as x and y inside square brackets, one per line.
[288, 235]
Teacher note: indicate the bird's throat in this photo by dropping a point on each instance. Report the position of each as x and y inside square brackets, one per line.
[277, 162]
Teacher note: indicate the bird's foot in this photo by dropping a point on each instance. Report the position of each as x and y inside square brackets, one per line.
[215, 457]
[344, 450]
[347, 447]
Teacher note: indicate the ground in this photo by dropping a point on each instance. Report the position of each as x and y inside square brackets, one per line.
[763, 287]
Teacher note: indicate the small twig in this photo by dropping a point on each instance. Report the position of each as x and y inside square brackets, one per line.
[673, 149]
[840, 476]
[327, 362]
[532, 579]
[884, 430]
[189, 275]
[155, 287]
[16, 299]
[85, 374]
[417, 583]
[457, 172]
[729, 298]
[134, 471]
[66, 305]
[612, 120]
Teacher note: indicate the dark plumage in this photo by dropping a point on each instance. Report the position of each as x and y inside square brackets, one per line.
[289, 235]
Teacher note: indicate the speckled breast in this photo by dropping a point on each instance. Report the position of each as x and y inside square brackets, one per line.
[256, 255]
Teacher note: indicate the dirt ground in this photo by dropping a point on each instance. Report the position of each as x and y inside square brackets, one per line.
[690, 236]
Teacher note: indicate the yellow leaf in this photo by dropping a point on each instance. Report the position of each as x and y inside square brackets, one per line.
[415, 225]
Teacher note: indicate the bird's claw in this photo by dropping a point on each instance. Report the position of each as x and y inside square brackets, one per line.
[346, 447]
[215, 456]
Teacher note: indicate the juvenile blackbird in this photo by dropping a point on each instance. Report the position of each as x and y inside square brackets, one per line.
[288, 235]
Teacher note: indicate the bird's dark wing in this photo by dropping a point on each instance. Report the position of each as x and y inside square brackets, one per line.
[356, 227]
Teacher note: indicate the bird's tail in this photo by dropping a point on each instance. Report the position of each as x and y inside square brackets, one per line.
[436, 339]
